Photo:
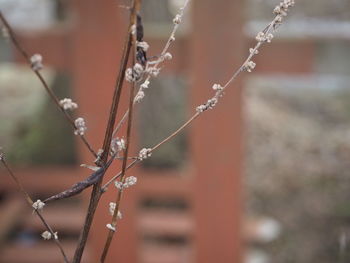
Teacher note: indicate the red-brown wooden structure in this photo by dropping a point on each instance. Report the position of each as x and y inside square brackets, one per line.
[209, 231]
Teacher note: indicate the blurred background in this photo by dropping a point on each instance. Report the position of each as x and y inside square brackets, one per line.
[263, 178]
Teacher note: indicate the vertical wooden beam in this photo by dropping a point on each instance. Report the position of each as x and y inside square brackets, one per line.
[217, 43]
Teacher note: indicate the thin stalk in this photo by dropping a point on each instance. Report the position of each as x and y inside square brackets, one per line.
[30, 203]
[96, 191]
[123, 172]
[269, 28]
[133, 163]
[135, 10]
[156, 65]
[54, 98]
[183, 126]
[116, 99]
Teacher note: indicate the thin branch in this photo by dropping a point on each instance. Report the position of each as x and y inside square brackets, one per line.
[82, 185]
[156, 65]
[54, 98]
[30, 202]
[183, 126]
[211, 103]
[96, 191]
[124, 166]
[94, 199]
[115, 103]
[133, 163]
[135, 10]
[87, 225]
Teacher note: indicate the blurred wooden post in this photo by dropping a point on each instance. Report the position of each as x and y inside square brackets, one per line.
[217, 42]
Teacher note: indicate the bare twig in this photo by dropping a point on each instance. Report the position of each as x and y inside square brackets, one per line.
[104, 188]
[30, 202]
[156, 65]
[96, 191]
[115, 101]
[247, 65]
[133, 163]
[94, 199]
[124, 166]
[135, 10]
[54, 98]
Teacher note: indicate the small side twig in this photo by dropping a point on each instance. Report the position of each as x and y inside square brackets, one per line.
[30, 203]
[104, 188]
[42, 80]
[265, 36]
[171, 39]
